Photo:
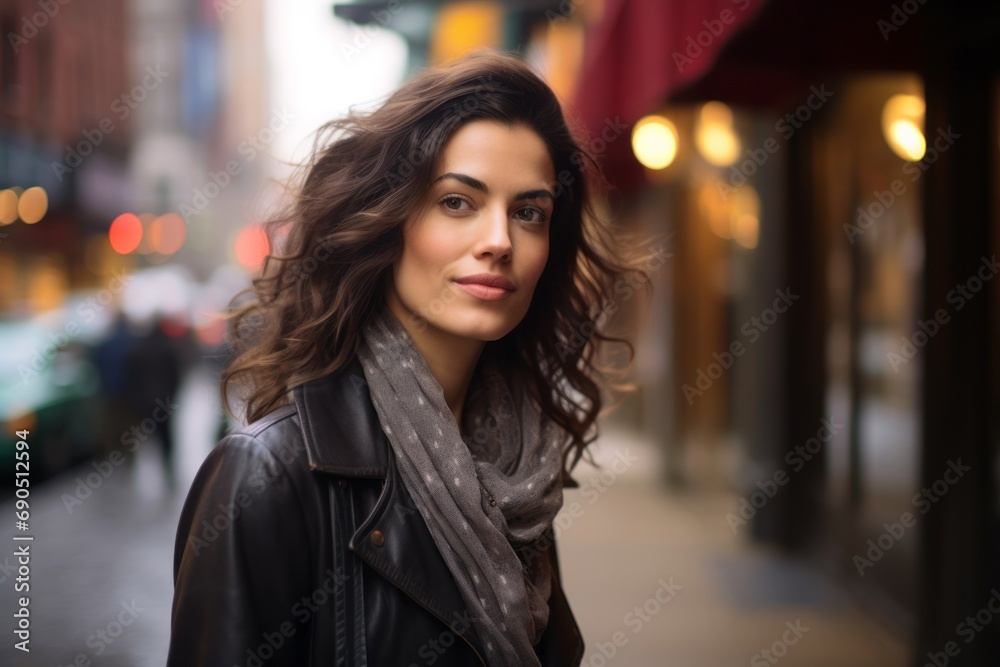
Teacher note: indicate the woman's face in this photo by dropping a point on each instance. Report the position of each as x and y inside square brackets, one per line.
[487, 212]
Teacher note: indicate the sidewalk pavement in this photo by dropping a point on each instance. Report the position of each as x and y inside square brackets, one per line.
[657, 578]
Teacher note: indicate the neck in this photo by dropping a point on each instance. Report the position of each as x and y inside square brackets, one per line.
[451, 359]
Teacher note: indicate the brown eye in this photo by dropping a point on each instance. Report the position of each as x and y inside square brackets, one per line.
[453, 202]
[536, 216]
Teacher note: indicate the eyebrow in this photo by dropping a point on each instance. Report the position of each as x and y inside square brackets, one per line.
[479, 185]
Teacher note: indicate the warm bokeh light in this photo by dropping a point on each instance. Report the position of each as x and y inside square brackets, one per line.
[144, 247]
[563, 45]
[907, 141]
[714, 135]
[251, 247]
[714, 210]
[125, 233]
[745, 230]
[744, 216]
[47, 285]
[654, 142]
[166, 234]
[32, 205]
[737, 217]
[463, 26]
[8, 207]
[903, 126]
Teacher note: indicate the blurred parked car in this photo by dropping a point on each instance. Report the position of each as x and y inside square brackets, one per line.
[49, 388]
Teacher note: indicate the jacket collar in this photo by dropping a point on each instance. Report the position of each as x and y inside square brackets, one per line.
[338, 421]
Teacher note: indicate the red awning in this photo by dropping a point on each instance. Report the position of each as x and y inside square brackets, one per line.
[643, 49]
[638, 53]
[644, 53]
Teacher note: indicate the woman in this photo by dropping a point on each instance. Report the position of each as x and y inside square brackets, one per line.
[418, 366]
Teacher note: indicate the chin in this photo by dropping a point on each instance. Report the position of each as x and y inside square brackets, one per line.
[478, 326]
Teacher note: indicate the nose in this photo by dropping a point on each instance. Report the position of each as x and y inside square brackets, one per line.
[494, 237]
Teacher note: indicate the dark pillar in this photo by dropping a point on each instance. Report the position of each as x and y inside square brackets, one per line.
[960, 560]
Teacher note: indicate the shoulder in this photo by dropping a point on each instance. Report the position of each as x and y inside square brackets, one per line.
[254, 483]
[265, 455]
[275, 438]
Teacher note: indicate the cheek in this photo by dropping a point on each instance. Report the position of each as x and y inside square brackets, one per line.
[536, 259]
[427, 252]
[431, 245]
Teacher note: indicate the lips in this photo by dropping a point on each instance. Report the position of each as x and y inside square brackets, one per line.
[487, 279]
[487, 286]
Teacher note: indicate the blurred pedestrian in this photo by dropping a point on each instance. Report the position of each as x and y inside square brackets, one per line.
[154, 377]
[117, 410]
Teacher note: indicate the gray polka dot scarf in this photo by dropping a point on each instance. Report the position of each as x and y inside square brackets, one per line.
[485, 497]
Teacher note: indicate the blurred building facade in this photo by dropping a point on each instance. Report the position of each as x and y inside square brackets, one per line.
[65, 132]
[136, 109]
[194, 157]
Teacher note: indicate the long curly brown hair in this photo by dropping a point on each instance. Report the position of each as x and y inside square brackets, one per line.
[343, 229]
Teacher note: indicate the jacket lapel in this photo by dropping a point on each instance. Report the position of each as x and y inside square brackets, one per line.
[344, 437]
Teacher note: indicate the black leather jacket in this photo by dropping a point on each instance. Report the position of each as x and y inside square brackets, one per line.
[298, 544]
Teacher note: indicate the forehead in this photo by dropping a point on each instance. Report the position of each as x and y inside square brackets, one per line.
[497, 155]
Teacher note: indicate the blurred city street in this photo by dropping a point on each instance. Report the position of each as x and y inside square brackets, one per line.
[112, 550]
[705, 595]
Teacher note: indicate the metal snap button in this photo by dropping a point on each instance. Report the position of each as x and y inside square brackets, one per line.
[378, 539]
